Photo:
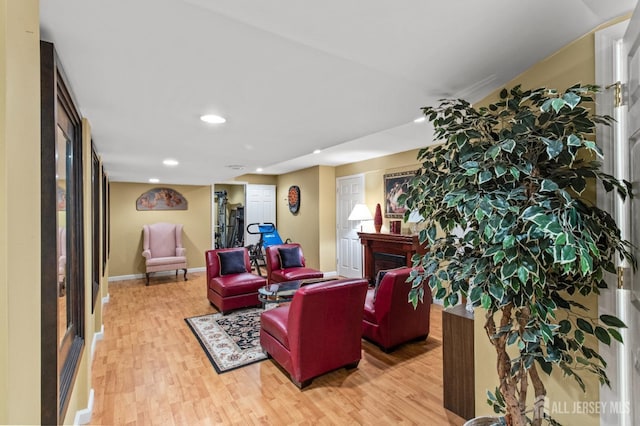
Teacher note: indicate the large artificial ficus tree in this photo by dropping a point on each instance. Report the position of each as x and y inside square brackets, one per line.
[508, 227]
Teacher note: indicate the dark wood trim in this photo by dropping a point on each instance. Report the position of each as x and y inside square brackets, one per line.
[48, 259]
[392, 244]
[96, 183]
[60, 360]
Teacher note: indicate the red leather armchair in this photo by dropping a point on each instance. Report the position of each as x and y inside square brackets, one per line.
[389, 319]
[319, 331]
[293, 267]
[230, 285]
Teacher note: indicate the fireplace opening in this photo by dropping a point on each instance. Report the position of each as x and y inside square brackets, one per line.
[382, 261]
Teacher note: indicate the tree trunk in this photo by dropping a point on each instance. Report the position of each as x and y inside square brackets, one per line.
[508, 385]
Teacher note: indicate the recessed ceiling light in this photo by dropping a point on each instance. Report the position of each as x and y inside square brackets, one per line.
[317, 151]
[154, 180]
[235, 166]
[259, 169]
[212, 119]
[170, 162]
[419, 119]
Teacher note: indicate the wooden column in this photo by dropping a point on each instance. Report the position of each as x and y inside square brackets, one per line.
[457, 361]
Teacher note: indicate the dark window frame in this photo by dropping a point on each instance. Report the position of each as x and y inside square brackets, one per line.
[59, 362]
[96, 182]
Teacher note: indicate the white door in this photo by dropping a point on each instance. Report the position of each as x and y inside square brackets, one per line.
[629, 158]
[349, 192]
[260, 208]
[618, 59]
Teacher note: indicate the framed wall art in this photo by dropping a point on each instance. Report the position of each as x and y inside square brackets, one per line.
[396, 184]
[161, 199]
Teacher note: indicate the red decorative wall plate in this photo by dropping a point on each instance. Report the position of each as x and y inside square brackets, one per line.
[294, 199]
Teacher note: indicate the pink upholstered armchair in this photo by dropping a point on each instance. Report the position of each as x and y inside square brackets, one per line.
[389, 319]
[285, 262]
[230, 283]
[319, 331]
[162, 248]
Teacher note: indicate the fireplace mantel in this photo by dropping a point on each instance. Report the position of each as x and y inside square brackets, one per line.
[382, 251]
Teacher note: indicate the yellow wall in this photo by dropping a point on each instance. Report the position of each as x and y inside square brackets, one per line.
[575, 63]
[256, 179]
[19, 212]
[126, 225]
[302, 227]
[374, 171]
[327, 218]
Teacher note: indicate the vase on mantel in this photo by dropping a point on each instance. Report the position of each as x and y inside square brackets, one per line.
[377, 218]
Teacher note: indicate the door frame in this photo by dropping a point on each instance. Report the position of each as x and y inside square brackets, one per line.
[339, 219]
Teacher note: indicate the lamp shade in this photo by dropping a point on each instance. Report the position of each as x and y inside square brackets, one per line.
[360, 212]
[414, 217]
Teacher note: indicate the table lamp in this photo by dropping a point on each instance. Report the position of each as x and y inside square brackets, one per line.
[413, 219]
[360, 213]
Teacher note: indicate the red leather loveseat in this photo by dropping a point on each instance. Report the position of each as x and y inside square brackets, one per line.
[319, 331]
[285, 262]
[230, 284]
[389, 319]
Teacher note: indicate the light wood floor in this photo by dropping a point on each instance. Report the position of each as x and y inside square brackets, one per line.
[149, 369]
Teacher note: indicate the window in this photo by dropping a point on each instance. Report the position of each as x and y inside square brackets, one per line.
[62, 246]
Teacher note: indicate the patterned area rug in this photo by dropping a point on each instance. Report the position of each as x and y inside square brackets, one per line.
[230, 341]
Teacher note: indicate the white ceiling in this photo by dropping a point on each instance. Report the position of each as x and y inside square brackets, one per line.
[290, 76]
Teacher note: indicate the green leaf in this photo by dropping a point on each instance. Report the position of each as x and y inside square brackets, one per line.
[492, 152]
[509, 241]
[523, 274]
[586, 264]
[541, 220]
[612, 321]
[498, 256]
[548, 185]
[496, 291]
[469, 165]
[547, 334]
[568, 254]
[514, 172]
[508, 145]
[579, 335]
[595, 148]
[528, 336]
[476, 294]
[553, 227]
[565, 326]
[557, 104]
[554, 147]
[573, 140]
[571, 99]
[431, 234]
[614, 333]
[484, 176]
[603, 335]
[584, 325]
[547, 367]
[561, 239]
[532, 211]
[507, 270]
[486, 301]
[500, 170]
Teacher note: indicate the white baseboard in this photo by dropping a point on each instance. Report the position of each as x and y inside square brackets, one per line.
[96, 337]
[157, 274]
[106, 299]
[331, 274]
[84, 416]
